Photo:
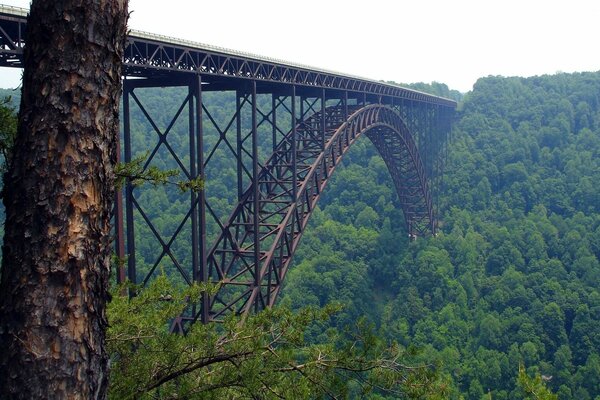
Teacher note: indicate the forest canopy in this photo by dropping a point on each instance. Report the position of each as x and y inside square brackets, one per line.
[513, 277]
[511, 280]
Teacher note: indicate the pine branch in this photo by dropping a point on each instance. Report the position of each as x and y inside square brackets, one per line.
[195, 366]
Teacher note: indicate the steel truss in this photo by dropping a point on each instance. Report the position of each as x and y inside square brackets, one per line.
[253, 253]
[252, 247]
[308, 117]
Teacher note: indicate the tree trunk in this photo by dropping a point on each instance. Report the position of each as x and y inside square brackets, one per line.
[58, 194]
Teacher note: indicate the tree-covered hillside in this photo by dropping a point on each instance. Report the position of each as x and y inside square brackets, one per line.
[513, 277]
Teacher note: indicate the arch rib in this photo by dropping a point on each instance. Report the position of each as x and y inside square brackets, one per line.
[283, 211]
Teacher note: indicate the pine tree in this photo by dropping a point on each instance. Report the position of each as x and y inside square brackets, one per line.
[58, 194]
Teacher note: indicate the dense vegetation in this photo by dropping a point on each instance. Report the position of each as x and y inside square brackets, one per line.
[514, 275]
[511, 279]
[268, 357]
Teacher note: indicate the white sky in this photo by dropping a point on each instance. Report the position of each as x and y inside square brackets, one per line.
[449, 41]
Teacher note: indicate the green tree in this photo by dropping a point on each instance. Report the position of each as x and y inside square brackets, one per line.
[553, 321]
[533, 388]
[8, 131]
[267, 357]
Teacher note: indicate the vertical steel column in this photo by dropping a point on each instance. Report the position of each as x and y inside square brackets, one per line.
[256, 194]
[411, 123]
[346, 116]
[404, 112]
[322, 132]
[323, 101]
[436, 161]
[295, 217]
[238, 123]
[293, 146]
[119, 228]
[203, 276]
[274, 120]
[274, 146]
[423, 138]
[346, 105]
[428, 142]
[428, 139]
[193, 175]
[131, 272]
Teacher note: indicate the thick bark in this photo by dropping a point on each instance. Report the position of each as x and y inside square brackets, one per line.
[58, 194]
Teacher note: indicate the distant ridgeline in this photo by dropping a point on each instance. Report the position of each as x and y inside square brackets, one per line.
[514, 275]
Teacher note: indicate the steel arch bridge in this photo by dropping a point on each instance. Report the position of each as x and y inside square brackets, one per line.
[307, 118]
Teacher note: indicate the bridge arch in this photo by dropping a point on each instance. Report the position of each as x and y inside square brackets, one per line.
[251, 256]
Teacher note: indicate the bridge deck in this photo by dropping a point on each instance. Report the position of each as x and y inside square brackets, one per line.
[150, 55]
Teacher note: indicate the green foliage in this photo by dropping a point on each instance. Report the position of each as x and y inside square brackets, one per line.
[138, 173]
[533, 388]
[8, 132]
[266, 357]
[512, 278]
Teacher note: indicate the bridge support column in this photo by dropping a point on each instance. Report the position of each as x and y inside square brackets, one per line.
[136, 216]
[201, 268]
[131, 273]
[294, 142]
[257, 199]
[119, 229]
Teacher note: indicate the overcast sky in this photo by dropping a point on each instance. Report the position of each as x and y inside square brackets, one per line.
[454, 42]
